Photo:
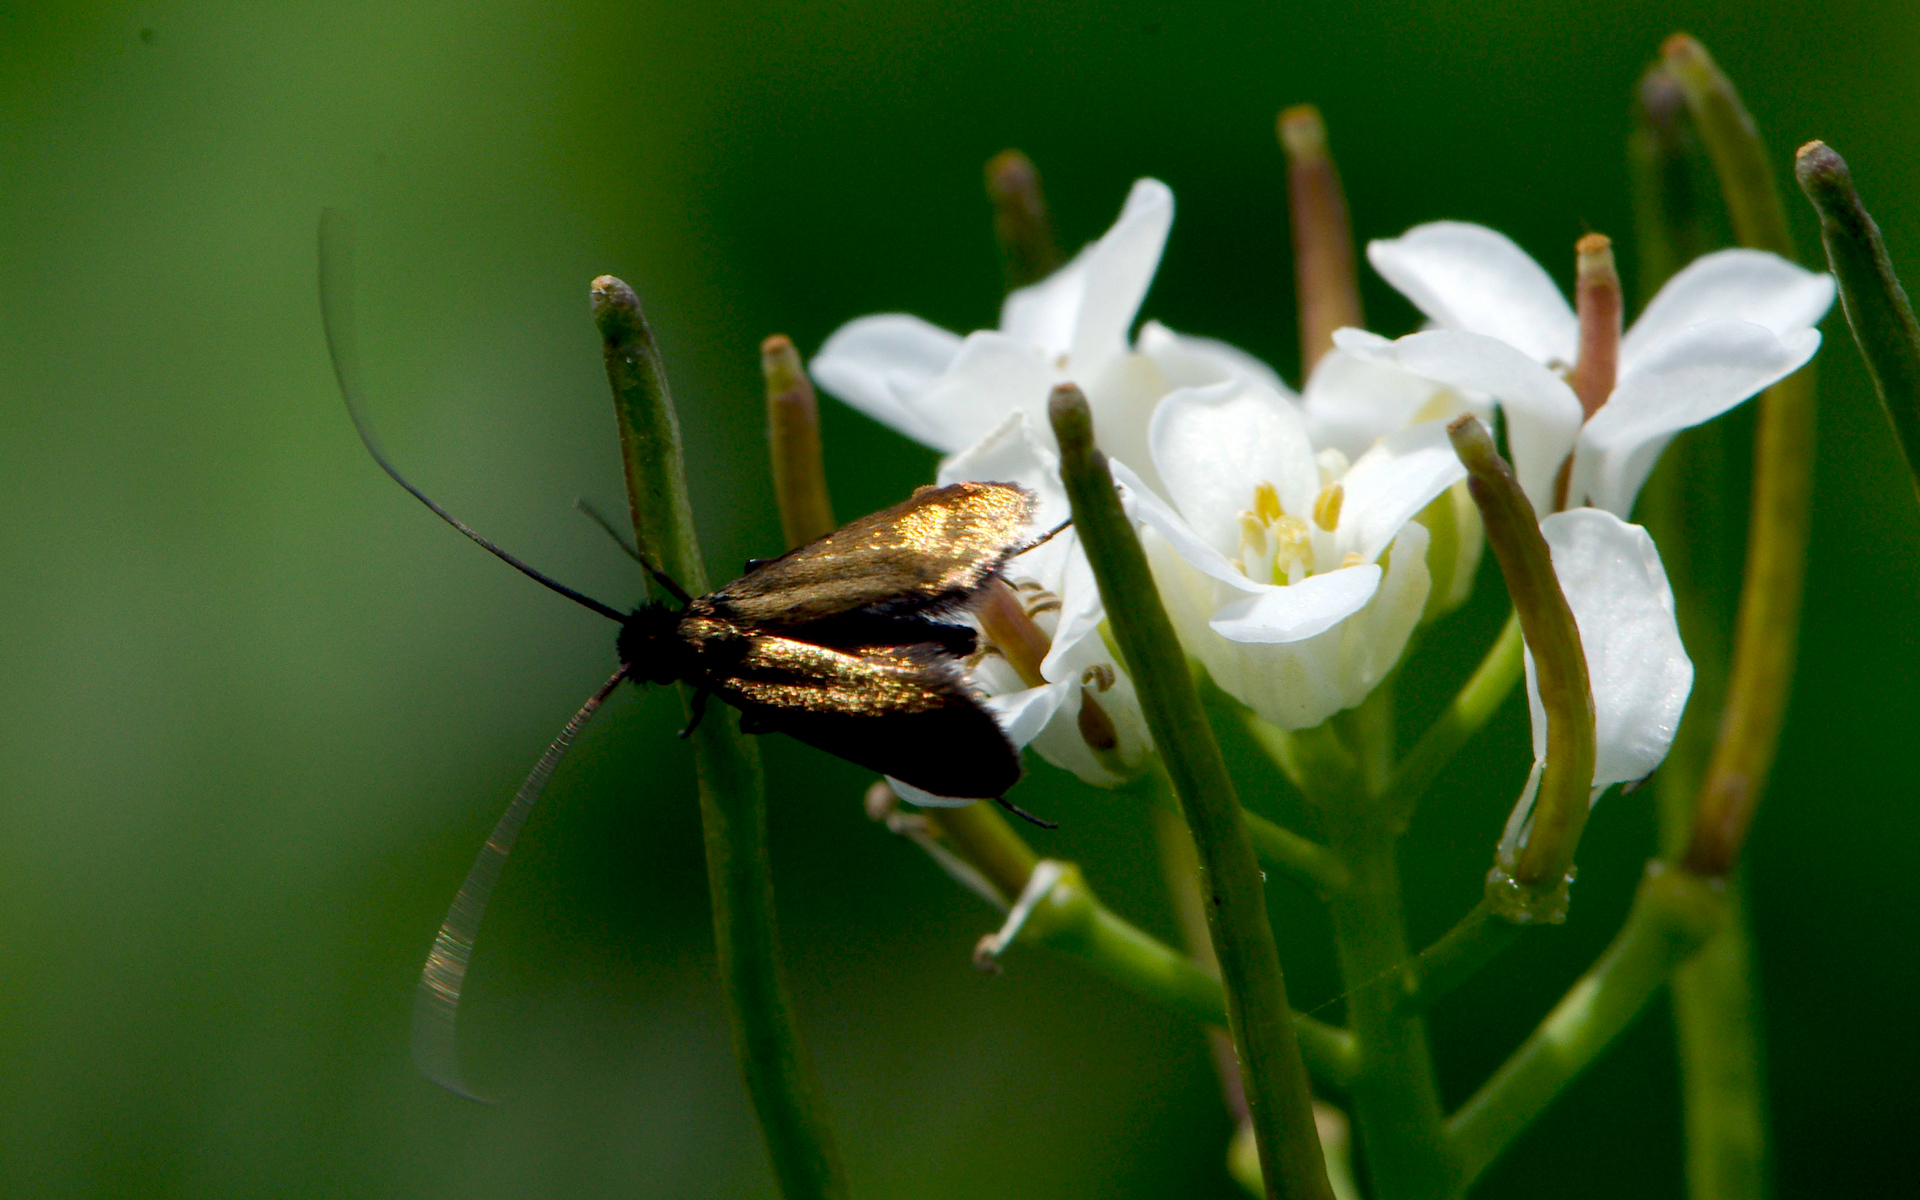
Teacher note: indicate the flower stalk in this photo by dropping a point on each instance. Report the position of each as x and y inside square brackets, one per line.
[1541, 863]
[793, 437]
[1767, 629]
[780, 1077]
[1325, 278]
[1021, 223]
[1273, 1074]
[1674, 913]
[1870, 292]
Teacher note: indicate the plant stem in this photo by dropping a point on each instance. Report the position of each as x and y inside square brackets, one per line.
[780, 1076]
[1396, 1099]
[1280, 1106]
[1476, 702]
[793, 442]
[1715, 1005]
[1875, 303]
[1458, 956]
[1075, 922]
[1561, 804]
[1767, 629]
[1716, 1014]
[1673, 914]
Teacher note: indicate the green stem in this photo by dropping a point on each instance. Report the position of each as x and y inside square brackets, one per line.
[1715, 1006]
[1673, 914]
[1767, 629]
[1483, 693]
[1021, 223]
[1395, 1096]
[1870, 292]
[1560, 664]
[1716, 1015]
[1280, 1106]
[793, 442]
[780, 1076]
[1074, 921]
[1459, 955]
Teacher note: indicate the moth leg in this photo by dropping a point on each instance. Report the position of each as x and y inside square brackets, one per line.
[698, 705]
[754, 564]
[1023, 814]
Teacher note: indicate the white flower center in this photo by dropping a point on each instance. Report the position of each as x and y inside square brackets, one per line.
[1282, 548]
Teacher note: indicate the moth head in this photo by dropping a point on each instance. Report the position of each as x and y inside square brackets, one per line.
[650, 645]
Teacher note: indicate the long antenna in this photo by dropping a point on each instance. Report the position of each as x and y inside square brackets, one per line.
[336, 316]
[436, 1003]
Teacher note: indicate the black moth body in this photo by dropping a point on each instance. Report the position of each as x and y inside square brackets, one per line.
[847, 644]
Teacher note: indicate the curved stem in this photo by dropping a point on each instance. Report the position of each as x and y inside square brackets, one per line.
[1673, 914]
[1280, 1106]
[1767, 629]
[1458, 956]
[779, 1073]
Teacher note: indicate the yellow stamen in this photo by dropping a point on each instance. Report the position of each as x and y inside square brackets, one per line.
[1266, 503]
[1326, 507]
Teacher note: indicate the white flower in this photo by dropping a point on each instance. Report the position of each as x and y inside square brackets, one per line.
[949, 392]
[1269, 556]
[1056, 586]
[1638, 670]
[1730, 324]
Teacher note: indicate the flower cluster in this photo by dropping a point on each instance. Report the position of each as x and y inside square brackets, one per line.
[1299, 539]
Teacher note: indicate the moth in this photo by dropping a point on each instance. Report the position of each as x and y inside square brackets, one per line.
[849, 644]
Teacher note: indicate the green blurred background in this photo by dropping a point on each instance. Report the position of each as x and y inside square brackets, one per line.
[260, 709]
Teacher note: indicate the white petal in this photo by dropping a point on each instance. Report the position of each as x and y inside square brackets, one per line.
[1391, 484]
[882, 364]
[1010, 453]
[1683, 380]
[1296, 685]
[1080, 610]
[1022, 715]
[1737, 285]
[992, 375]
[1352, 402]
[1639, 671]
[1146, 507]
[925, 799]
[1189, 361]
[1084, 309]
[1469, 277]
[1543, 415]
[1291, 614]
[1214, 445]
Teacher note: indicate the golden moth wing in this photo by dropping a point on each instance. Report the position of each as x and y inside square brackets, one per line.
[930, 552]
[904, 711]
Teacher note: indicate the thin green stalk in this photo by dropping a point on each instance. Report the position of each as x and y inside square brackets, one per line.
[1767, 629]
[1870, 292]
[780, 1076]
[1560, 666]
[1326, 280]
[1716, 1013]
[1468, 712]
[1280, 1106]
[1395, 1095]
[1458, 956]
[1021, 222]
[793, 440]
[1673, 914]
[1073, 921]
[1687, 503]
[1668, 218]
[1306, 861]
